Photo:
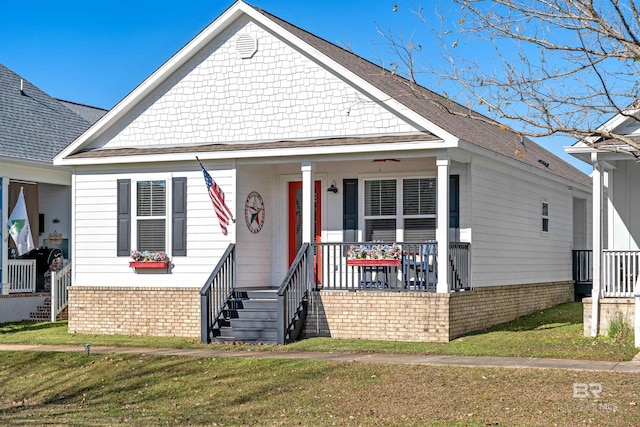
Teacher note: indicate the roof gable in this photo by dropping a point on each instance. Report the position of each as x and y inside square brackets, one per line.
[418, 107]
[277, 92]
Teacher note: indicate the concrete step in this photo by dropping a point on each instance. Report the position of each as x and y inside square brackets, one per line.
[248, 335]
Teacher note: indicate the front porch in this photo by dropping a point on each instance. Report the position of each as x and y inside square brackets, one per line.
[330, 291]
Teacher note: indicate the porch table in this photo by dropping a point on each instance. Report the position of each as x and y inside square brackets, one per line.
[367, 268]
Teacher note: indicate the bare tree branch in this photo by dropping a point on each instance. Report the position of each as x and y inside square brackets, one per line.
[559, 66]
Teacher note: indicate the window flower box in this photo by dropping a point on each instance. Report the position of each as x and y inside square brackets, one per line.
[149, 261]
[149, 264]
[373, 262]
[382, 252]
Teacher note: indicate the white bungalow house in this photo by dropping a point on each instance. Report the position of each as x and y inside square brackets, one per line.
[616, 229]
[326, 161]
[34, 127]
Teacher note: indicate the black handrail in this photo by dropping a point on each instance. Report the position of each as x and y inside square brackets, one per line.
[292, 296]
[216, 292]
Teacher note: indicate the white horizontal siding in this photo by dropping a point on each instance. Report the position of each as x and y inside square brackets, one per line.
[95, 229]
[623, 224]
[254, 255]
[508, 245]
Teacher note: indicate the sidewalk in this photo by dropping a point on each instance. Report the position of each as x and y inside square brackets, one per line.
[408, 359]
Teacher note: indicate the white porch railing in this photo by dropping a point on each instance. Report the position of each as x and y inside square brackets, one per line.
[22, 276]
[60, 280]
[620, 271]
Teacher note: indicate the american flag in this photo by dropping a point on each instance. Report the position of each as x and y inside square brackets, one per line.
[217, 198]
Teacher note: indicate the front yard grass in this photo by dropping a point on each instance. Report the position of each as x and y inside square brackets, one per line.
[556, 332]
[42, 388]
[38, 388]
[552, 333]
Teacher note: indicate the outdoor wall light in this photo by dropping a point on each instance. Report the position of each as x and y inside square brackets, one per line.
[333, 189]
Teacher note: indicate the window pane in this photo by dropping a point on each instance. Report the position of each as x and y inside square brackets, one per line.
[152, 198]
[380, 229]
[545, 209]
[545, 224]
[419, 229]
[151, 235]
[419, 196]
[380, 197]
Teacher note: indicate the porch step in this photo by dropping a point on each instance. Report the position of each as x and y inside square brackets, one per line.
[42, 313]
[252, 317]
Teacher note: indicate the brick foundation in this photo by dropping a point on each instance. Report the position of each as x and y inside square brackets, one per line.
[609, 308]
[485, 307]
[408, 316]
[150, 311]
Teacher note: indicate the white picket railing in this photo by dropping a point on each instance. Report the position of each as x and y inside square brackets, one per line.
[22, 276]
[60, 281]
[620, 271]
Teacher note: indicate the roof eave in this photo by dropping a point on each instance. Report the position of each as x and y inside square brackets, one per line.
[282, 153]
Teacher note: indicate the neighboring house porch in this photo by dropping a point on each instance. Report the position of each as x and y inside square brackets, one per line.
[616, 234]
[34, 127]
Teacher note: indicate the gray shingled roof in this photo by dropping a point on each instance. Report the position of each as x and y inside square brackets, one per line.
[87, 112]
[33, 125]
[486, 134]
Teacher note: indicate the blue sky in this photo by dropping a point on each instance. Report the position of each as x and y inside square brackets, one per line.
[95, 53]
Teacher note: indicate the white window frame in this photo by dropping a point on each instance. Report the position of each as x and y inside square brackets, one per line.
[167, 216]
[399, 215]
[417, 216]
[544, 217]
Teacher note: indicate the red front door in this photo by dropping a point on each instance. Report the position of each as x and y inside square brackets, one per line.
[295, 217]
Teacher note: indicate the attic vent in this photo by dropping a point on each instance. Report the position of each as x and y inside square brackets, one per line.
[543, 163]
[246, 46]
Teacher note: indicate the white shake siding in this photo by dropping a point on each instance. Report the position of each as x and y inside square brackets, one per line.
[277, 94]
[509, 246]
[96, 262]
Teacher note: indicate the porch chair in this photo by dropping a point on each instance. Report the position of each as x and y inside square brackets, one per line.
[419, 269]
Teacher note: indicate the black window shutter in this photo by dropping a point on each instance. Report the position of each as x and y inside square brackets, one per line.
[124, 217]
[350, 210]
[454, 201]
[179, 217]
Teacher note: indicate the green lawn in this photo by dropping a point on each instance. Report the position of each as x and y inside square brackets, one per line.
[39, 388]
[555, 332]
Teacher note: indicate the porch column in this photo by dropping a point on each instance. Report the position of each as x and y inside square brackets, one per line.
[4, 235]
[597, 182]
[442, 229]
[307, 202]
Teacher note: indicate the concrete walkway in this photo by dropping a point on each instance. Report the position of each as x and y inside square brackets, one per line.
[408, 359]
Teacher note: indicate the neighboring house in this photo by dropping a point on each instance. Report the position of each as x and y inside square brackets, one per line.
[484, 222]
[616, 229]
[34, 127]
